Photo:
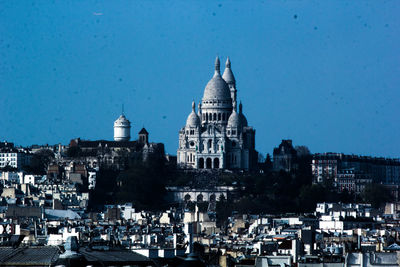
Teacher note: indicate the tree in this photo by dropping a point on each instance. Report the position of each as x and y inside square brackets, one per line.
[310, 195]
[223, 210]
[74, 151]
[40, 161]
[144, 185]
[261, 158]
[376, 195]
[302, 151]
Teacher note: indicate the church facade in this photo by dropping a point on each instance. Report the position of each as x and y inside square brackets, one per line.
[217, 136]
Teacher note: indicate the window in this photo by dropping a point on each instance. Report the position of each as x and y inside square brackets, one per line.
[219, 116]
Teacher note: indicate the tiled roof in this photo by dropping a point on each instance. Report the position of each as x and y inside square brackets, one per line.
[32, 256]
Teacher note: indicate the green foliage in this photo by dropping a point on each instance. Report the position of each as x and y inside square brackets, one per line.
[39, 162]
[74, 151]
[376, 195]
[179, 178]
[105, 188]
[224, 210]
[310, 195]
[279, 192]
[143, 184]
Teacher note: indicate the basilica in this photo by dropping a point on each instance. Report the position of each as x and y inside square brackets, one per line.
[217, 136]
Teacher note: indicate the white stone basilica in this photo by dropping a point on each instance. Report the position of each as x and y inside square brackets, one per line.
[217, 137]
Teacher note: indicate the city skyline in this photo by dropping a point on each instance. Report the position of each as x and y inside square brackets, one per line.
[322, 74]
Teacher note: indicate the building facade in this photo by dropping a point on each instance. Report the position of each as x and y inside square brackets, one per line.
[327, 166]
[285, 156]
[14, 159]
[217, 136]
[351, 180]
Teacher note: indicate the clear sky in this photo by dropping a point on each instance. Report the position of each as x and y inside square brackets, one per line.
[323, 73]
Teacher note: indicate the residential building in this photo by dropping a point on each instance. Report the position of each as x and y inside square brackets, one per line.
[326, 167]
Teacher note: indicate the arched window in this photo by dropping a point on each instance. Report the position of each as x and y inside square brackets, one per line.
[187, 197]
[223, 116]
[210, 116]
[206, 116]
[201, 163]
[209, 143]
[208, 163]
[200, 198]
[215, 116]
[216, 163]
[212, 198]
[219, 116]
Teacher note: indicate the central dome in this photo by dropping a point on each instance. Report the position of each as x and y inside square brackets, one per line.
[217, 88]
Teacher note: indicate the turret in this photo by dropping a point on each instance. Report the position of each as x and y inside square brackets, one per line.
[230, 79]
[122, 129]
[143, 136]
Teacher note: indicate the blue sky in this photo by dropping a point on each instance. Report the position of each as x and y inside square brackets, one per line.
[323, 73]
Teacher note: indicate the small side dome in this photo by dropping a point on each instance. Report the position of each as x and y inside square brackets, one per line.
[234, 120]
[193, 120]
